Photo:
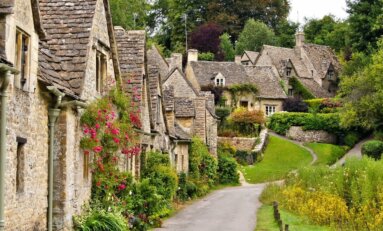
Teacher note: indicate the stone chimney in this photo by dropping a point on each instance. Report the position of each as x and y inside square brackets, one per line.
[175, 61]
[192, 55]
[299, 39]
[238, 59]
[200, 118]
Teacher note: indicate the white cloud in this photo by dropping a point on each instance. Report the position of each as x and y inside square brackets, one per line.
[316, 9]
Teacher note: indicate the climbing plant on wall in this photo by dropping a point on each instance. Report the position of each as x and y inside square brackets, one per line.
[238, 89]
[299, 89]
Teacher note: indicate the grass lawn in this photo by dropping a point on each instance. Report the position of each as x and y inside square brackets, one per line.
[327, 154]
[280, 157]
[265, 221]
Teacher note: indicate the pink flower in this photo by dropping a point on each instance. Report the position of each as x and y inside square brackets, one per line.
[121, 187]
[97, 149]
[116, 140]
[86, 130]
[97, 126]
[115, 131]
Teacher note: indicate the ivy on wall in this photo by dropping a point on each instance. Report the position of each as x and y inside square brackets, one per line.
[300, 89]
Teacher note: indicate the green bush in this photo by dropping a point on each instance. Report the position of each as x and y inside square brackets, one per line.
[281, 122]
[202, 165]
[373, 148]
[378, 135]
[227, 170]
[100, 220]
[222, 112]
[186, 188]
[351, 139]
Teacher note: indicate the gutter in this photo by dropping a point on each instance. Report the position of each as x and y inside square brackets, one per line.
[53, 114]
[5, 72]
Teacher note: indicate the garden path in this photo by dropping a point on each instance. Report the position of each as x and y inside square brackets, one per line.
[356, 151]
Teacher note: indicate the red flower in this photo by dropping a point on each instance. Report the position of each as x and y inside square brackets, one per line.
[97, 126]
[116, 140]
[121, 187]
[115, 131]
[98, 184]
[97, 149]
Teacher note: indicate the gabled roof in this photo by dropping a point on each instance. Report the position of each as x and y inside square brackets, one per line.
[155, 58]
[169, 98]
[322, 57]
[68, 25]
[205, 71]
[131, 55]
[314, 88]
[6, 6]
[251, 56]
[267, 83]
[279, 57]
[49, 69]
[176, 69]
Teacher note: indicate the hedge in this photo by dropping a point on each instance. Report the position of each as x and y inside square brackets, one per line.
[373, 148]
[281, 122]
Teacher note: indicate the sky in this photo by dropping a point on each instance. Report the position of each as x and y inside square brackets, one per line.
[316, 9]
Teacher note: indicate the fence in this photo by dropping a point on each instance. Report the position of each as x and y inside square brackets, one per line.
[278, 219]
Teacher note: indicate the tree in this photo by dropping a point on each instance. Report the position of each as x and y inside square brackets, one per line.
[254, 35]
[328, 31]
[366, 23]
[227, 47]
[130, 14]
[205, 38]
[363, 95]
[285, 32]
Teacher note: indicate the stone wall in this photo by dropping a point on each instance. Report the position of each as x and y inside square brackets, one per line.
[297, 133]
[200, 118]
[240, 143]
[181, 157]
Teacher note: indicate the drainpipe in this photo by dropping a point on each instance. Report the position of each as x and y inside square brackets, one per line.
[53, 114]
[4, 72]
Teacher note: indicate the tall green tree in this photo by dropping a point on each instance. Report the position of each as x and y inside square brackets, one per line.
[366, 23]
[254, 35]
[328, 31]
[285, 32]
[363, 95]
[227, 47]
[130, 14]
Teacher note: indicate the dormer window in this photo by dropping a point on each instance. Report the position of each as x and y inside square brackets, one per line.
[219, 80]
[330, 75]
[288, 71]
[22, 58]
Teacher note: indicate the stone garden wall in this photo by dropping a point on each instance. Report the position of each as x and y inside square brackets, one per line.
[298, 134]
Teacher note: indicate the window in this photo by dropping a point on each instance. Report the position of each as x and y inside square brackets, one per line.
[20, 164]
[270, 110]
[288, 71]
[290, 92]
[219, 80]
[158, 115]
[22, 58]
[176, 160]
[330, 74]
[244, 104]
[101, 66]
[182, 163]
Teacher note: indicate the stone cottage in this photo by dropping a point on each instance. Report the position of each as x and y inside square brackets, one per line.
[269, 97]
[316, 67]
[65, 55]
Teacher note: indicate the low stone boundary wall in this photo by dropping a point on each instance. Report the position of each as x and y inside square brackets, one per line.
[240, 143]
[298, 134]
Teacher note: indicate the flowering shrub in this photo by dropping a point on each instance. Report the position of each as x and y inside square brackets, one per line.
[244, 122]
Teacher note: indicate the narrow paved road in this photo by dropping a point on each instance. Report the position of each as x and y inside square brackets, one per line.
[230, 209]
[356, 151]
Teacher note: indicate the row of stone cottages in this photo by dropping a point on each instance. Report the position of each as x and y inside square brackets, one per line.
[55, 57]
[315, 67]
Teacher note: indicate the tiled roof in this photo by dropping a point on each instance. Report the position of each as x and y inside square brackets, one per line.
[251, 55]
[314, 88]
[184, 107]
[68, 25]
[205, 72]
[6, 6]
[171, 72]
[279, 57]
[169, 98]
[321, 57]
[267, 83]
[49, 69]
[180, 133]
[131, 55]
[155, 58]
[154, 78]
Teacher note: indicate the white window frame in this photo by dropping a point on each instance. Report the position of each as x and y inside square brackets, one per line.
[22, 61]
[270, 110]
